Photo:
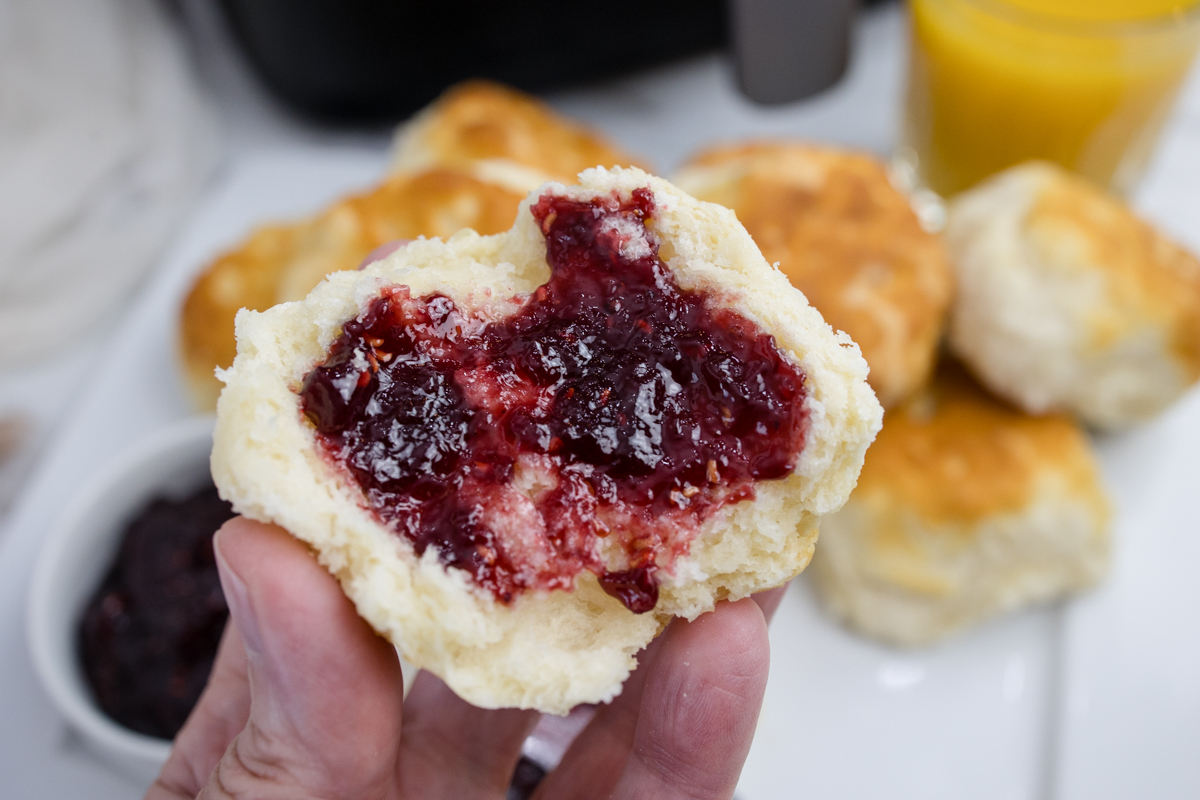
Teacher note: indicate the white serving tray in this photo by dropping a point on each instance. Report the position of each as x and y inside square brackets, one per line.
[978, 717]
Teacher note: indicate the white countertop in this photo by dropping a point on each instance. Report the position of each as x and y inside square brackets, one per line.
[1099, 699]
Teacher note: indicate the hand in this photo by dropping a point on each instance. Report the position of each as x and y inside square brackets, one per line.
[305, 701]
[383, 251]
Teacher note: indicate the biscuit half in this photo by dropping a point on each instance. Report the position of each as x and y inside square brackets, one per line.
[965, 508]
[549, 650]
[1068, 302]
[846, 238]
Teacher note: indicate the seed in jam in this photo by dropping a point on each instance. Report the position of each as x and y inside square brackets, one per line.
[596, 428]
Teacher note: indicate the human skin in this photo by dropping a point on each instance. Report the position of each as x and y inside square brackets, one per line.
[306, 701]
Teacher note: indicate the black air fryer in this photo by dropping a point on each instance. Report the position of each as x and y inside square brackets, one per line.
[380, 60]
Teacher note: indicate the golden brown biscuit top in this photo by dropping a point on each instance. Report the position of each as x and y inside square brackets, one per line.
[479, 120]
[847, 239]
[955, 454]
[438, 202]
[1151, 281]
[244, 278]
[284, 262]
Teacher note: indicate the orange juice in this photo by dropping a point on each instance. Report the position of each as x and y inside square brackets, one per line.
[1085, 83]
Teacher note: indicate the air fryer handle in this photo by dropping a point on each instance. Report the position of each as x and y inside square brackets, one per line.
[789, 49]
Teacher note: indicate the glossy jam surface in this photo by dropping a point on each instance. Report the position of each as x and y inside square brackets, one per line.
[594, 429]
[149, 636]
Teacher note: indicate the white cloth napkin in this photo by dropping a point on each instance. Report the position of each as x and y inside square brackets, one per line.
[104, 142]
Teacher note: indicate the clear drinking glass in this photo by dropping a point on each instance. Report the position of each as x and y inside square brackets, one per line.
[1085, 83]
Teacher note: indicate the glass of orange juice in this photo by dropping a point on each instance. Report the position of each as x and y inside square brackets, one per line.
[1085, 83]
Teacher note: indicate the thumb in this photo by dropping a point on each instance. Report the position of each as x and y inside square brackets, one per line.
[325, 691]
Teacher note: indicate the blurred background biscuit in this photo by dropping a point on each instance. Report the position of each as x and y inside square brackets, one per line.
[502, 136]
[1069, 302]
[465, 162]
[846, 238]
[278, 263]
[965, 508]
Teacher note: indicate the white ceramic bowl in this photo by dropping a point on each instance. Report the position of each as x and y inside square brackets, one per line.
[74, 560]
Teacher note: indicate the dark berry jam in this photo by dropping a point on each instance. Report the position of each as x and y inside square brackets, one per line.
[594, 429]
[149, 636]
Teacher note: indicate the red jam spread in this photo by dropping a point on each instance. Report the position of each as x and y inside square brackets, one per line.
[594, 429]
[149, 636]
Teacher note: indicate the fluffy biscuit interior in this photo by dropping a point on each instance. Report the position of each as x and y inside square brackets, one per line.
[546, 650]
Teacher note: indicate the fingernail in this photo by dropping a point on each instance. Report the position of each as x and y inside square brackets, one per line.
[382, 252]
[238, 600]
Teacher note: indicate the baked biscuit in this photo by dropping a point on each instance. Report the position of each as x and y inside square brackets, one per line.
[284, 262]
[965, 508]
[1068, 302]
[501, 136]
[847, 239]
[520, 473]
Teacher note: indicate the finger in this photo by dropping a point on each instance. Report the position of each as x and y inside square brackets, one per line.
[383, 251]
[326, 692]
[769, 600]
[699, 707]
[597, 756]
[452, 749]
[219, 715]
[593, 762]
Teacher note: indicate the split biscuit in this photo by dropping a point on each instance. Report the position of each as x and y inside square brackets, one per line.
[549, 649]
